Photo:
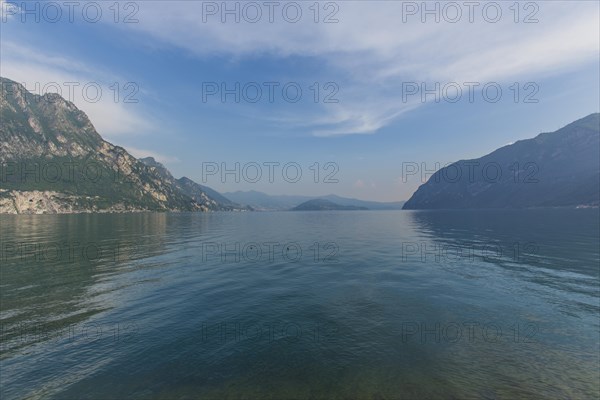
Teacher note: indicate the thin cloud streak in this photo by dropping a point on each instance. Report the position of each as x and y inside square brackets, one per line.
[375, 52]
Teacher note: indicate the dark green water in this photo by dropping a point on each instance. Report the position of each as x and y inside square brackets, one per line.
[349, 305]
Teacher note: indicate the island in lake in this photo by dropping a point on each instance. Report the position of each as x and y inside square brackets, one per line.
[324, 205]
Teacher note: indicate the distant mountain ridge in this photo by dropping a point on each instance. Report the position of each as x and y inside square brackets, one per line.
[267, 202]
[556, 169]
[204, 195]
[324, 205]
[53, 161]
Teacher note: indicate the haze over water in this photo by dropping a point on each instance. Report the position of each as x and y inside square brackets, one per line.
[400, 304]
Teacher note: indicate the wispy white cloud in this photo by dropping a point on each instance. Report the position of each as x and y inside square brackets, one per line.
[371, 50]
[7, 10]
[374, 51]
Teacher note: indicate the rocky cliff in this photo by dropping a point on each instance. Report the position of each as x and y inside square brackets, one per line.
[52, 160]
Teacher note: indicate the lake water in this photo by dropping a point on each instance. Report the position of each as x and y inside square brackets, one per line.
[324, 305]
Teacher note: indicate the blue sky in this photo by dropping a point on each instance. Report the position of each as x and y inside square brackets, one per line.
[371, 57]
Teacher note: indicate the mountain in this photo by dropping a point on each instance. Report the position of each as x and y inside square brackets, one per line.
[194, 190]
[265, 202]
[203, 195]
[557, 169]
[323, 205]
[52, 160]
[371, 205]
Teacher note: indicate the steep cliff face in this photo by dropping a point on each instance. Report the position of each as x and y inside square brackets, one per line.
[557, 169]
[52, 156]
[42, 126]
[195, 190]
[204, 196]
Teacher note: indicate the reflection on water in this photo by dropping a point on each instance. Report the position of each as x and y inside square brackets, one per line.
[550, 250]
[436, 304]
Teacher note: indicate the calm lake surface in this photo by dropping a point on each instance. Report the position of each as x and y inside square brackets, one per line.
[324, 305]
